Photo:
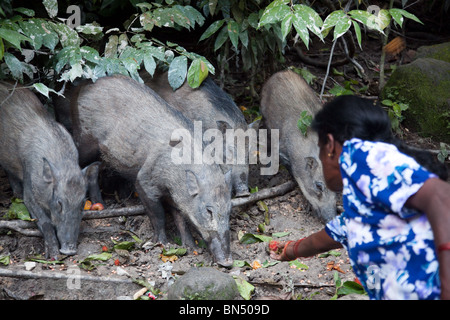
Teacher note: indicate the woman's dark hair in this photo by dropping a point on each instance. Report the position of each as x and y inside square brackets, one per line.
[348, 117]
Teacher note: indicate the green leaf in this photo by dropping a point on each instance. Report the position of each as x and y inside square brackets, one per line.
[233, 33]
[302, 30]
[174, 251]
[149, 63]
[350, 287]
[241, 263]
[198, 71]
[104, 256]
[286, 25]
[311, 18]
[43, 89]
[90, 54]
[361, 15]
[25, 11]
[124, 245]
[250, 238]
[398, 14]
[330, 253]
[298, 265]
[5, 260]
[73, 73]
[67, 36]
[342, 25]
[267, 264]
[280, 234]
[17, 67]
[13, 37]
[357, 32]
[89, 28]
[222, 36]
[18, 210]
[51, 6]
[274, 12]
[384, 18]
[212, 29]
[177, 72]
[245, 289]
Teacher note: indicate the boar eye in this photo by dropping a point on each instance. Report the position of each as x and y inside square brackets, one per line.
[59, 206]
[320, 186]
[210, 210]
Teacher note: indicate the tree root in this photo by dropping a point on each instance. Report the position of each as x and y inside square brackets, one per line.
[28, 228]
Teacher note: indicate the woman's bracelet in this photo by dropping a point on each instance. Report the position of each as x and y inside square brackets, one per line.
[290, 251]
[443, 247]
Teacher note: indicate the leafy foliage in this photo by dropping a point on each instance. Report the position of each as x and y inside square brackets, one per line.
[39, 45]
[69, 54]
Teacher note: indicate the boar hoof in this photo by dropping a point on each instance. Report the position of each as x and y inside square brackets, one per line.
[226, 263]
[68, 251]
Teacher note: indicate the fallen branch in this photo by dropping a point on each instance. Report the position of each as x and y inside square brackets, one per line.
[58, 275]
[28, 228]
[264, 194]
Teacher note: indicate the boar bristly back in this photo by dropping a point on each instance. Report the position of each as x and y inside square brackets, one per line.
[284, 96]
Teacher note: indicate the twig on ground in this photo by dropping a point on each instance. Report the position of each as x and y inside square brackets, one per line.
[28, 228]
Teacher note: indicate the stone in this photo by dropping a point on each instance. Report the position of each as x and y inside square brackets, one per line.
[439, 51]
[424, 85]
[30, 265]
[203, 283]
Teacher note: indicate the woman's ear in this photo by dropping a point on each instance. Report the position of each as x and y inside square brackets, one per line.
[333, 147]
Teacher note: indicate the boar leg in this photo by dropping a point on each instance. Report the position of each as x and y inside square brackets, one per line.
[155, 211]
[16, 185]
[44, 224]
[183, 228]
[43, 220]
[91, 174]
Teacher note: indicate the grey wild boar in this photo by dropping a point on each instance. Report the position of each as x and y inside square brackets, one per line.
[216, 110]
[138, 134]
[284, 96]
[41, 161]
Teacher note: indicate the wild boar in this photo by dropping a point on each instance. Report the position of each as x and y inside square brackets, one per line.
[41, 161]
[138, 134]
[283, 98]
[216, 110]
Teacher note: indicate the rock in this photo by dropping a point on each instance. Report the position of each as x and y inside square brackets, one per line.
[204, 283]
[30, 265]
[424, 85]
[121, 272]
[438, 51]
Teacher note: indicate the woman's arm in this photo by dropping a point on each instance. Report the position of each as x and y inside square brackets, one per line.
[316, 243]
[433, 198]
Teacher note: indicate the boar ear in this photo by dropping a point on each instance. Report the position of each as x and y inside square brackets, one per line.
[48, 171]
[255, 124]
[192, 183]
[174, 142]
[223, 126]
[311, 164]
[92, 170]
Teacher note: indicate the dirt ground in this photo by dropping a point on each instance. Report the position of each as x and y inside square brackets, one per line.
[288, 213]
[112, 279]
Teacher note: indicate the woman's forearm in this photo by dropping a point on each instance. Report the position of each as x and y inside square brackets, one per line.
[314, 244]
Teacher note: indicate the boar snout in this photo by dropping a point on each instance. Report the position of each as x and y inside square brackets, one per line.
[221, 251]
[241, 190]
[68, 249]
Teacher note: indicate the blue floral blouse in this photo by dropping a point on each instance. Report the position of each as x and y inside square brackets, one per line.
[390, 247]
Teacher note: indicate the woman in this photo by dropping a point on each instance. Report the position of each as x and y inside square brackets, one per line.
[396, 220]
